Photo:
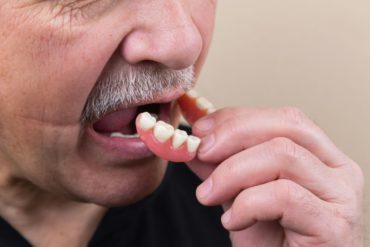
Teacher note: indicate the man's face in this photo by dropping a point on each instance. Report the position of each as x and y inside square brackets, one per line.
[66, 65]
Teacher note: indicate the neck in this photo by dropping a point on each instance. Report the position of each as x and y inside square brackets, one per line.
[44, 219]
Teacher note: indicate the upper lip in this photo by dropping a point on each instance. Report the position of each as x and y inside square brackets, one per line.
[168, 97]
[161, 99]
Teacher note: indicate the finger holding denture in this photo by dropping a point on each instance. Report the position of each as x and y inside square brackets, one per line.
[169, 143]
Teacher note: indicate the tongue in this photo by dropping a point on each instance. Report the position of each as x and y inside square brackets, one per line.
[118, 121]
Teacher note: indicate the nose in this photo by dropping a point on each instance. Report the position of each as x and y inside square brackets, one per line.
[164, 33]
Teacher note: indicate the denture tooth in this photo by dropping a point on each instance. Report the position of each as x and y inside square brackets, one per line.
[193, 143]
[154, 115]
[204, 103]
[179, 138]
[211, 110]
[147, 121]
[120, 135]
[192, 93]
[117, 134]
[163, 131]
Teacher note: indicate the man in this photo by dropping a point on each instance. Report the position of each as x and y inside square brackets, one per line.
[74, 72]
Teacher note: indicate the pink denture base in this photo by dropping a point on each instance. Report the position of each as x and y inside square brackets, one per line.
[164, 150]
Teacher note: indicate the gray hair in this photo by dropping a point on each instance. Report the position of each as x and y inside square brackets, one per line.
[131, 85]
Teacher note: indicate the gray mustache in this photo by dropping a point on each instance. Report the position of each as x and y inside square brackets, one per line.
[131, 85]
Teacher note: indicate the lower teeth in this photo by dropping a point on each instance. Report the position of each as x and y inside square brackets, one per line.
[154, 115]
[120, 135]
[136, 135]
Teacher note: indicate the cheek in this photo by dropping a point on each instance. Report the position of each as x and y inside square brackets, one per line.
[47, 68]
[36, 150]
[45, 78]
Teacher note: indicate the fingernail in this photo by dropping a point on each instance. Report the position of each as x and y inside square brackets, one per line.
[225, 219]
[205, 125]
[205, 188]
[207, 143]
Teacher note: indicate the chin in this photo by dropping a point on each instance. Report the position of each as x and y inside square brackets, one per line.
[118, 185]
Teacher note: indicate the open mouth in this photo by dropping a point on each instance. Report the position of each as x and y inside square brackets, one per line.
[114, 135]
[121, 123]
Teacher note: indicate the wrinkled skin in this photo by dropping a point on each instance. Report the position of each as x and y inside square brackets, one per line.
[52, 55]
[281, 180]
[280, 170]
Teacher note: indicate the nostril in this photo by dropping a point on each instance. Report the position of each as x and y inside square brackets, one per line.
[175, 48]
[149, 63]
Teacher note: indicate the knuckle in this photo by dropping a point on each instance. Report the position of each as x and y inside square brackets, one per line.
[243, 200]
[295, 117]
[347, 220]
[226, 168]
[350, 216]
[286, 191]
[292, 195]
[285, 149]
[231, 169]
[231, 129]
[234, 128]
[232, 125]
[353, 181]
[359, 178]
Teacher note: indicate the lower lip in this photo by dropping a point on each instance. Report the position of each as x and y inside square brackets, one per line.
[126, 148]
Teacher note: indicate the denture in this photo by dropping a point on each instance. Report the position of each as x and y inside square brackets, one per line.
[194, 106]
[169, 143]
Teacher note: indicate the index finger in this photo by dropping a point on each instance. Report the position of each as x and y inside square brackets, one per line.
[236, 129]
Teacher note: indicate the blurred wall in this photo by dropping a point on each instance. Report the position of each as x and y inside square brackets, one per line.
[314, 54]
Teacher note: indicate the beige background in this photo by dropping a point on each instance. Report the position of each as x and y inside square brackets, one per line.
[314, 54]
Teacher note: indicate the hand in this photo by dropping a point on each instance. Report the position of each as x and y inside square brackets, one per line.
[280, 179]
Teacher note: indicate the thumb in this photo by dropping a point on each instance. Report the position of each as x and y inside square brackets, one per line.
[203, 170]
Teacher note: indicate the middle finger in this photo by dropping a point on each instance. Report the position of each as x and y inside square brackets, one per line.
[279, 158]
